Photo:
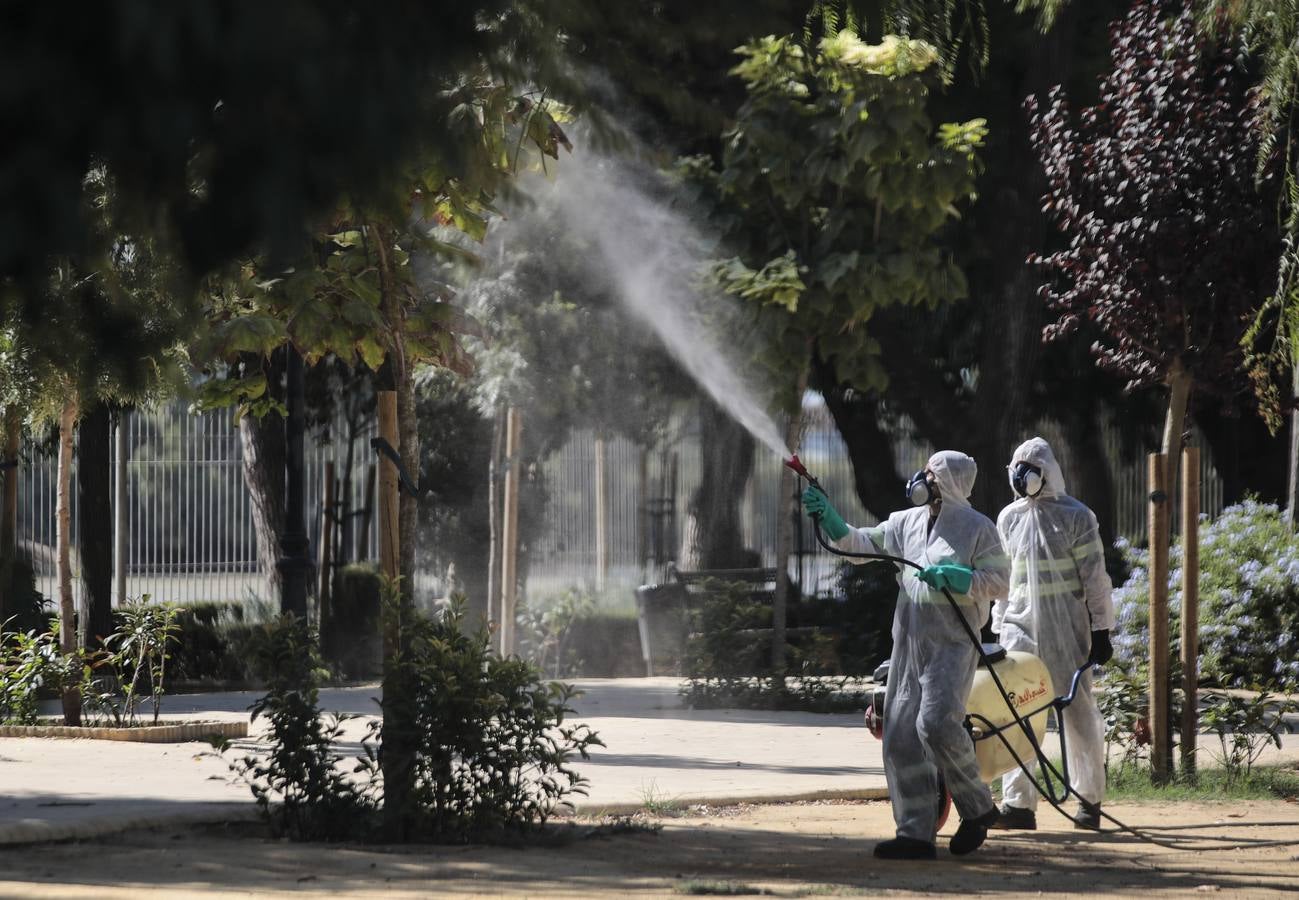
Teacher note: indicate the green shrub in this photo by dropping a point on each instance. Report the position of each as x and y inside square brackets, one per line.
[1245, 725]
[31, 668]
[1249, 599]
[349, 635]
[25, 606]
[491, 742]
[213, 643]
[728, 659]
[297, 784]
[134, 659]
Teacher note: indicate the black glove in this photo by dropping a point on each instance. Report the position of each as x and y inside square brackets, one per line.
[1102, 650]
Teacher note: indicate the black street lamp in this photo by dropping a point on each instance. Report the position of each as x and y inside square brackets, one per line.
[295, 566]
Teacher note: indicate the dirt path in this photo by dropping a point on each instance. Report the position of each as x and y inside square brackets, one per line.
[820, 849]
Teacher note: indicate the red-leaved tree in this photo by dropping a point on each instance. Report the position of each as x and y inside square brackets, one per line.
[1172, 240]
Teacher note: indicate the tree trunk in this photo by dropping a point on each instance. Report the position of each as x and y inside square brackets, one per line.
[95, 512]
[715, 539]
[494, 476]
[13, 431]
[870, 448]
[1179, 392]
[63, 540]
[408, 430]
[264, 453]
[1011, 313]
[1090, 477]
[1292, 481]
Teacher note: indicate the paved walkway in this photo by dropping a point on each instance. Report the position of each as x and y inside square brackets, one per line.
[657, 752]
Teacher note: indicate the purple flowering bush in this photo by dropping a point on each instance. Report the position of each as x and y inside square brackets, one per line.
[1249, 599]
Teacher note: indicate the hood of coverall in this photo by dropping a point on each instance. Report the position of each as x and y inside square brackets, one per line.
[1038, 452]
[954, 473]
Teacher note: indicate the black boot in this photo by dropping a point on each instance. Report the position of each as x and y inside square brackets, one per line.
[972, 833]
[905, 848]
[1015, 818]
[1088, 816]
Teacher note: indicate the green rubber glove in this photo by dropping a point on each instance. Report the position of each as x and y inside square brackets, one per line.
[815, 504]
[955, 578]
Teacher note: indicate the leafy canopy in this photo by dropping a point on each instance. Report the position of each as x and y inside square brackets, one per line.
[1171, 241]
[835, 185]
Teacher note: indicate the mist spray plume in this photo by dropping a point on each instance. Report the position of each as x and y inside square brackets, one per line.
[651, 254]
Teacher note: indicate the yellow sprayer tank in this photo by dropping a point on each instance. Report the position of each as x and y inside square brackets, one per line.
[1028, 684]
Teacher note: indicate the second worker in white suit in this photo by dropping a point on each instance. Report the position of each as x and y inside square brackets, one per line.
[1060, 608]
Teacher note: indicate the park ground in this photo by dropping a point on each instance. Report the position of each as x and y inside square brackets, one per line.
[805, 849]
[82, 819]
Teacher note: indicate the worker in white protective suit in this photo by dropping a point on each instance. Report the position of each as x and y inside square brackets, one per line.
[933, 661]
[1059, 607]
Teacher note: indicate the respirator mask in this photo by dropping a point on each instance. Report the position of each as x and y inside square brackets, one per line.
[1026, 479]
[921, 490]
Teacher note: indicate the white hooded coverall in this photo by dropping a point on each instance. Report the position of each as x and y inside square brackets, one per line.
[1059, 594]
[933, 661]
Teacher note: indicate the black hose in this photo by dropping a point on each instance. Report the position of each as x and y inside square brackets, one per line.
[1189, 842]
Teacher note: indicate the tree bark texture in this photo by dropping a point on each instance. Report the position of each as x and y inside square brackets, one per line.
[63, 541]
[13, 431]
[95, 512]
[726, 451]
[264, 454]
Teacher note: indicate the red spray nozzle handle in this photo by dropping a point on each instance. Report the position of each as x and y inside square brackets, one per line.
[797, 465]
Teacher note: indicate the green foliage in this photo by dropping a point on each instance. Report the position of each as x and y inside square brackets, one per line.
[835, 185]
[545, 628]
[492, 743]
[27, 607]
[135, 655]
[355, 292]
[1134, 785]
[350, 628]
[1249, 598]
[1270, 31]
[1122, 703]
[31, 667]
[1246, 724]
[297, 783]
[212, 644]
[728, 659]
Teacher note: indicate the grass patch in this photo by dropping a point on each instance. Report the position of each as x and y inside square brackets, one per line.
[696, 888]
[657, 803]
[1279, 782]
[1133, 785]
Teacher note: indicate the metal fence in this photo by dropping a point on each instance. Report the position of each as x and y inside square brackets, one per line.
[190, 535]
[191, 538]
[649, 493]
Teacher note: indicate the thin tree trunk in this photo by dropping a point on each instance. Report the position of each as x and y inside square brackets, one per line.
[408, 432]
[1179, 392]
[264, 453]
[494, 518]
[1292, 482]
[13, 431]
[95, 512]
[715, 539]
[63, 541]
